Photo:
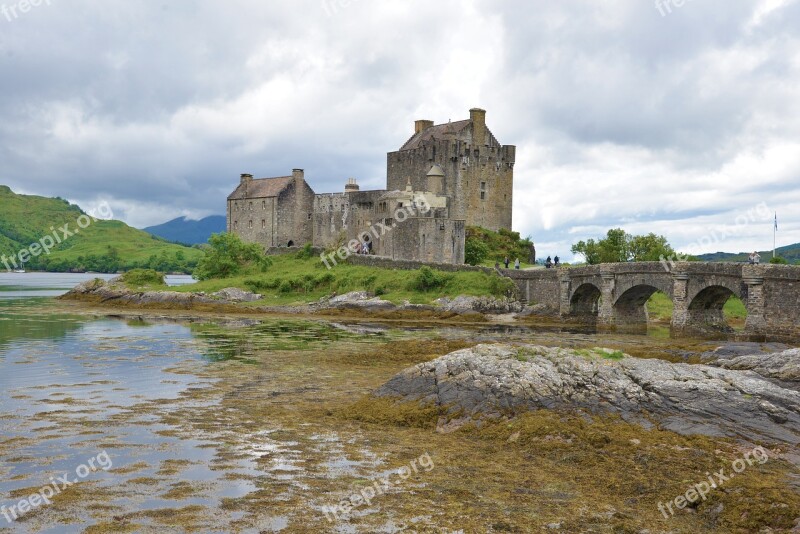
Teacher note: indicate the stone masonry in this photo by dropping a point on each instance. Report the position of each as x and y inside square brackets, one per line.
[444, 178]
[614, 295]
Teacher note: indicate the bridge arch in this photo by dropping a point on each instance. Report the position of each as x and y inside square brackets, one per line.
[705, 309]
[585, 300]
[630, 307]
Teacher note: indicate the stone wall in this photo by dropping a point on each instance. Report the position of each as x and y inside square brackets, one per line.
[254, 220]
[537, 286]
[479, 179]
[779, 294]
[408, 265]
[429, 240]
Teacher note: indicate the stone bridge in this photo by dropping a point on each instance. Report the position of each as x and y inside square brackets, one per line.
[614, 295]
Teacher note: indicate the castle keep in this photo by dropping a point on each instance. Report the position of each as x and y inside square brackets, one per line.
[444, 178]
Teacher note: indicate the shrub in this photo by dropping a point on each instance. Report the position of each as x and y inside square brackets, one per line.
[778, 260]
[227, 255]
[143, 277]
[475, 251]
[306, 253]
[500, 286]
[285, 286]
[426, 279]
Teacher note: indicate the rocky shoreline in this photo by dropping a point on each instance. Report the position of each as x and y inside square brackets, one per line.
[740, 400]
[115, 293]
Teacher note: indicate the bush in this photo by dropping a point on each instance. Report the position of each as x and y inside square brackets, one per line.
[777, 260]
[475, 251]
[143, 277]
[306, 253]
[426, 279]
[500, 286]
[227, 255]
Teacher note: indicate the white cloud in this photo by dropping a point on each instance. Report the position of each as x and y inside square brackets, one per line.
[622, 117]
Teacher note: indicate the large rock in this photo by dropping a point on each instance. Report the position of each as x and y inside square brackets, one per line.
[494, 380]
[780, 365]
[234, 294]
[487, 305]
[359, 299]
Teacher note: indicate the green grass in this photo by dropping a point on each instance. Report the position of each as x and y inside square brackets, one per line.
[101, 246]
[501, 244]
[292, 280]
[660, 307]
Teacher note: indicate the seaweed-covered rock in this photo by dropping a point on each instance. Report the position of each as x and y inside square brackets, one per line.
[497, 380]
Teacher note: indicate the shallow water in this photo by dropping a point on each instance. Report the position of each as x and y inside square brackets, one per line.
[200, 419]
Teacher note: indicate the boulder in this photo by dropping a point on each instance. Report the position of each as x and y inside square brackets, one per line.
[497, 380]
[780, 365]
[234, 294]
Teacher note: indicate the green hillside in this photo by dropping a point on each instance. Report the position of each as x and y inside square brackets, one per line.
[789, 252]
[102, 246]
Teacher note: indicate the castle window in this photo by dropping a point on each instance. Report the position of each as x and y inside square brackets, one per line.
[250, 225]
[251, 206]
[309, 216]
[263, 223]
[483, 195]
[235, 225]
[263, 204]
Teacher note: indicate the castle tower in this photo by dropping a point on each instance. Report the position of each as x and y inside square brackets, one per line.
[351, 186]
[477, 172]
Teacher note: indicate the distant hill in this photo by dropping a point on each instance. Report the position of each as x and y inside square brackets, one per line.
[790, 252]
[183, 230]
[100, 246]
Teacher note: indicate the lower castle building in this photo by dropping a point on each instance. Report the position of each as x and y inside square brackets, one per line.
[444, 178]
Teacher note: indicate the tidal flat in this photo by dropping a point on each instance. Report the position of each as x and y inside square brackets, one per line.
[243, 424]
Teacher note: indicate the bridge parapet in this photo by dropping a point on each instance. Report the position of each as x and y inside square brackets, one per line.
[615, 295]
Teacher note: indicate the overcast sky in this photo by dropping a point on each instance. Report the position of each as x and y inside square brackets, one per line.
[684, 121]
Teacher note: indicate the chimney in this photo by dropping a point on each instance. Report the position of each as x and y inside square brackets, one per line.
[351, 186]
[298, 173]
[247, 178]
[478, 118]
[422, 125]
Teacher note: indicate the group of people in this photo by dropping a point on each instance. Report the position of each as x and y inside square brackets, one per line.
[755, 258]
[549, 263]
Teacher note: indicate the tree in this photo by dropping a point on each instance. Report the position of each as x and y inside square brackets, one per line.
[619, 246]
[475, 251]
[227, 255]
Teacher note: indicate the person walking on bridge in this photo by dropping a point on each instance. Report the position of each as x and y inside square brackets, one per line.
[516, 264]
[506, 261]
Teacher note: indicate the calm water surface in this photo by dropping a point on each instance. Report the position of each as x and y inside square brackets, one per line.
[166, 400]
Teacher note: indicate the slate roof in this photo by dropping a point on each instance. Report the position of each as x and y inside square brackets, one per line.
[438, 132]
[261, 188]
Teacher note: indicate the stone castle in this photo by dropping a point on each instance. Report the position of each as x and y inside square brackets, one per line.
[444, 178]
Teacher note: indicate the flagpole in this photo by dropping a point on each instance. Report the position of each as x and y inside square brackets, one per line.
[774, 235]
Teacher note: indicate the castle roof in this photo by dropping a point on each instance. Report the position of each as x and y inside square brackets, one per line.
[261, 188]
[436, 132]
[451, 130]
